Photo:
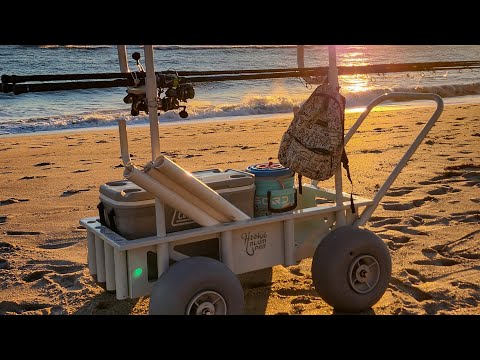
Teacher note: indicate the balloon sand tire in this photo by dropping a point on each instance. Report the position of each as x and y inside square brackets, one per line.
[197, 286]
[351, 269]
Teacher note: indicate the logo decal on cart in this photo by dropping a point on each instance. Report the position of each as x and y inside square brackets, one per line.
[254, 241]
[179, 219]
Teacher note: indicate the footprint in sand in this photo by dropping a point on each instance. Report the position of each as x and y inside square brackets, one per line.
[442, 190]
[4, 264]
[22, 233]
[79, 171]
[464, 247]
[302, 299]
[12, 201]
[403, 239]
[402, 286]
[35, 275]
[371, 151]
[400, 191]
[378, 222]
[12, 307]
[471, 216]
[65, 274]
[437, 262]
[59, 266]
[406, 285]
[58, 245]
[32, 177]
[44, 164]
[72, 192]
[295, 270]
[405, 230]
[6, 247]
[395, 242]
[188, 156]
[397, 206]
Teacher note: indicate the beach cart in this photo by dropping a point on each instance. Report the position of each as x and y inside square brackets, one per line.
[351, 266]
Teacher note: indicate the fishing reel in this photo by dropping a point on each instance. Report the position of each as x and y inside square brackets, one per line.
[175, 92]
[168, 84]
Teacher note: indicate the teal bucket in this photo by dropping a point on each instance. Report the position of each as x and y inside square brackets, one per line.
[274, 188]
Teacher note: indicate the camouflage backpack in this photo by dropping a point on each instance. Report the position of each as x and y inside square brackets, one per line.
[313, 144]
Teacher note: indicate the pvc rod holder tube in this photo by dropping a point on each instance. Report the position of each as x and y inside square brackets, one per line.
[109, 267]
[168, 196]
[121, 275]
[92, 261]
[198, 188]
[100, 256]
[122, 130]
[187, 195]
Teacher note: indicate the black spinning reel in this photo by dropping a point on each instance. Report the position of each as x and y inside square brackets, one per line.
[175, 91]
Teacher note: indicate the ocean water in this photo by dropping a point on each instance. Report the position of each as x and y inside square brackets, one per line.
[103, 107]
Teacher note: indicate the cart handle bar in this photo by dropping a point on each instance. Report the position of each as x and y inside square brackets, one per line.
[395, 96]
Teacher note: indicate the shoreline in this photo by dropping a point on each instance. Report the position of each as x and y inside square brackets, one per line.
[459, 100]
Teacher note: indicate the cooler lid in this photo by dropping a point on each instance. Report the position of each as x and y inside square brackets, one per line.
[125, 191]
[218, 179]
[269, 169]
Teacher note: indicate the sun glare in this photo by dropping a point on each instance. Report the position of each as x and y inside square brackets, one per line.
[354, 83]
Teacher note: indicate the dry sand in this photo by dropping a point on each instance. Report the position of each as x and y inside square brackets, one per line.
[429, 218]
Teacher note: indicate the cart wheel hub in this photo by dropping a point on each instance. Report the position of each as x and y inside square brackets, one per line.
[364, 273]
[206, 308]
[207, 303]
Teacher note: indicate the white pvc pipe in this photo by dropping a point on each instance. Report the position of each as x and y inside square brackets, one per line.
[333, 82]
[121, 276]
[151, 92]
[109, 267]
[100, 257]
[187, 195]
[408, 154]
[122, 58]
[122, 130]
[162, 192]
[92, 261]
[289, 241]
[198, 188]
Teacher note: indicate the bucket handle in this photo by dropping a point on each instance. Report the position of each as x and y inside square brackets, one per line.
[289, 208]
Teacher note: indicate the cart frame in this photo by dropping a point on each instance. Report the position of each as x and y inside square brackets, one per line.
[247, 245]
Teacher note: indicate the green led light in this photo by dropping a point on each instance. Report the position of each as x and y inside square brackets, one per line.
[137, 273]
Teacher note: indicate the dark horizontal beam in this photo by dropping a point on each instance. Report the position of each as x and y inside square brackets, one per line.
[15, 84]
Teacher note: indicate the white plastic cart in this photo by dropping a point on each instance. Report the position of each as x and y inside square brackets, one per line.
[351, 266]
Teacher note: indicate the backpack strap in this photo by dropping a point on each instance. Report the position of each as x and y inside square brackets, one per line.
[300, 183]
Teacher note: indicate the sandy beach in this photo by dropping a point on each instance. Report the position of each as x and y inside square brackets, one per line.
[430, 217]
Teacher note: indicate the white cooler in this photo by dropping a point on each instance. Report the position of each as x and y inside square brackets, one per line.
[129, 210]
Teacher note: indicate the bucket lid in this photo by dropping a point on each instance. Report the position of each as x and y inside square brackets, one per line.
[270, 169]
